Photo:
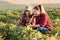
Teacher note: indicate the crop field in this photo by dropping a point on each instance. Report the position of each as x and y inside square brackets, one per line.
[9, 19]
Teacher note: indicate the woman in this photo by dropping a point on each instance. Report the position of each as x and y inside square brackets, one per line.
[25, 17]
[40, 20]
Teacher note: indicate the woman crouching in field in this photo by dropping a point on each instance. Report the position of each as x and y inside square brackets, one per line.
[40, 20]
[25, 18]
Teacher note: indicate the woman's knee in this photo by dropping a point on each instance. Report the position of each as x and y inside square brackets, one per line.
[42, 30]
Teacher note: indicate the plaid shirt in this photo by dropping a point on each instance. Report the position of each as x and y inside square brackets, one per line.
[44, 21]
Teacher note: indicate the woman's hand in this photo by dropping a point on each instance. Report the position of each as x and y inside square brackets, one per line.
[28, 26]
[34, 15]
[31, 19]
[34, 26]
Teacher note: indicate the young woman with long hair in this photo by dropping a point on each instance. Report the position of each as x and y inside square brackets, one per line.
[40, 20]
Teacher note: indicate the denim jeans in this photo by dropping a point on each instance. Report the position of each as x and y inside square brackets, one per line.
[42, 30]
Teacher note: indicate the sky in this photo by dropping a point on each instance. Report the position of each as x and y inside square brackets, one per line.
[31, 1]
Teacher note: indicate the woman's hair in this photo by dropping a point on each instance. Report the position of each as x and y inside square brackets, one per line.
[36, 7]
[42, 8]
[26, 11]
[39, 7]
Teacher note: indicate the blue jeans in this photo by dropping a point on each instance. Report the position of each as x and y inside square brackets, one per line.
[42, 30]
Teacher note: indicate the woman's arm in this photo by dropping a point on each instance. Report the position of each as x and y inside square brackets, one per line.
[34, 26]
[31, 20]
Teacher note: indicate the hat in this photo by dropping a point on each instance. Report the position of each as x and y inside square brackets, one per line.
[27, 7]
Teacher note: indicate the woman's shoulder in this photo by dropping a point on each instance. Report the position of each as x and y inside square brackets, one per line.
[23, 15]
[44, 14]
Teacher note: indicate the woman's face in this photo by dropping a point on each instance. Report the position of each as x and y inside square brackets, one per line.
[27, 13]
[36, 12]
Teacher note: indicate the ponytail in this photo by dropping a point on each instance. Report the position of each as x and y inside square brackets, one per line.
[40, 8]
